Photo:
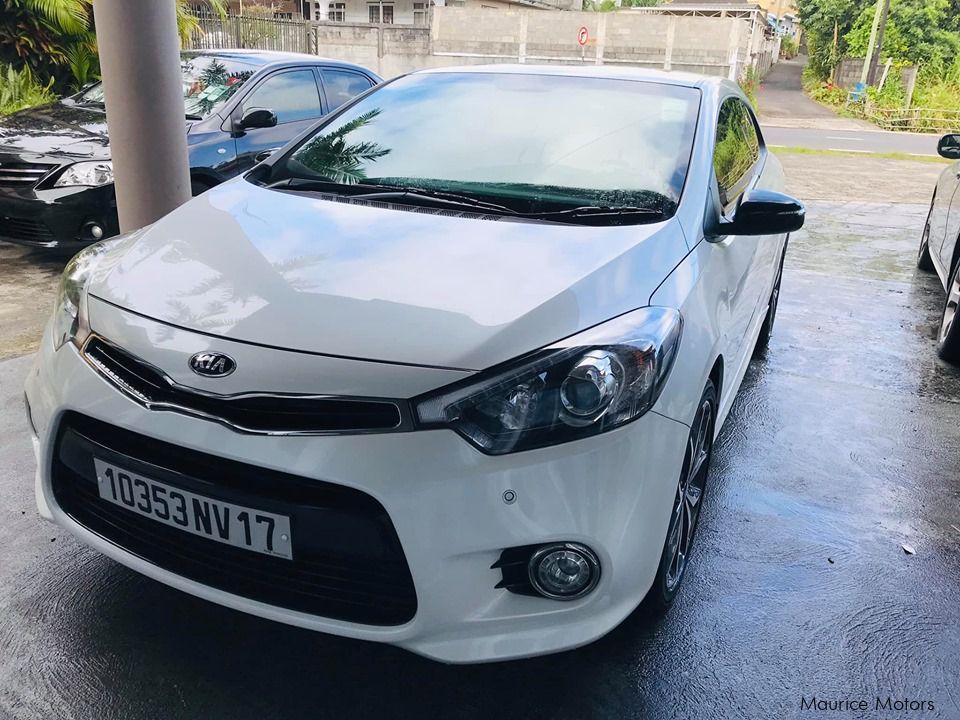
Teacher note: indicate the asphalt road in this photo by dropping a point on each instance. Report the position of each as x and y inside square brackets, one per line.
[859, 141]
[791, 119]
[842, 446]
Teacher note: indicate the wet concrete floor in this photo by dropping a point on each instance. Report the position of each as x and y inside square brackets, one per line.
[843, 445]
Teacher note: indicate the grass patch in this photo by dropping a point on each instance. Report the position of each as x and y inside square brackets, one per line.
[791, 150]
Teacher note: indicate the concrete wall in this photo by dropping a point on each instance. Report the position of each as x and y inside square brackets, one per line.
[472, 35]
[848, 71]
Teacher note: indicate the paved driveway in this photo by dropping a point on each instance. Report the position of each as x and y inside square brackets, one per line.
[843, 445]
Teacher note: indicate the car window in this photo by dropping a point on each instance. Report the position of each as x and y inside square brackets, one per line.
[533, 143]
[208, 82]
[291, 95]
[736, 151]
[342, 85]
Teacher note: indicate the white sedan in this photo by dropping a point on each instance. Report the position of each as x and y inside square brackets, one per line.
[445, 372]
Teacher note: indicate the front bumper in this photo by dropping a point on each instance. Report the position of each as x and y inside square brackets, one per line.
[57, 218]
[445, 499]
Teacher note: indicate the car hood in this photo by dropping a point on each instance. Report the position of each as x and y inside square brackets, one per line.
[60, 128]
[300, 272]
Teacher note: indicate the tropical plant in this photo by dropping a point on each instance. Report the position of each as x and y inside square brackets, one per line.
[788, 47]
[823, 21]
[330, 155]
[50, 36]
[19, 89]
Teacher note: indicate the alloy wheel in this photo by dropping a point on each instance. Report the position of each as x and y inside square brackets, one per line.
[686, 508]
[950, 307]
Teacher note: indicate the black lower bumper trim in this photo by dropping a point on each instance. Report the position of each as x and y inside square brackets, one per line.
[348, 563]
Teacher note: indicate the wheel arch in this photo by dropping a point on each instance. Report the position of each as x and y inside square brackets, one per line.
[716, 375]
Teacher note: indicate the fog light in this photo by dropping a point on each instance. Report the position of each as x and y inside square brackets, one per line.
[93, 231]
[564, 571]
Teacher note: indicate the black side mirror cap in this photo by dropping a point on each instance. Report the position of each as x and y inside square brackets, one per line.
[764, 212]
[257, 118]
[949, 146]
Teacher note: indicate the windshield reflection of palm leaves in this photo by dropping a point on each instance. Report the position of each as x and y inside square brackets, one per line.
[216, 75]
[331, 156]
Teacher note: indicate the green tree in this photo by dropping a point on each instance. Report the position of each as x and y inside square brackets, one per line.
[914, 33]
[820, 18]
[50, 36]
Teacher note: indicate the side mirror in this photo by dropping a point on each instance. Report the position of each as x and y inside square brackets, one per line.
[257, 118]
[949, 146]
[765, 212]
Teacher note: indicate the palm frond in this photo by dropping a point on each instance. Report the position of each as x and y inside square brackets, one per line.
[69, 16]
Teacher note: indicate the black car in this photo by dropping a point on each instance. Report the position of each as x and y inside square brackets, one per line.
[56, 178]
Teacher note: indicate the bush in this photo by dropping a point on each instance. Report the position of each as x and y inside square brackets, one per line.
[828, 94]
[788, 47]
[20, 90]
[749, 85]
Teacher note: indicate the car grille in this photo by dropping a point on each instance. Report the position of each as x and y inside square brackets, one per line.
[21, 174]
[24, 229]
[253, 412]
[347, 560]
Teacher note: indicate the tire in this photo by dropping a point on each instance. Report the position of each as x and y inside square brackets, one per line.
[948, 335]
[924, 261]
[687, 505]
[763, 339]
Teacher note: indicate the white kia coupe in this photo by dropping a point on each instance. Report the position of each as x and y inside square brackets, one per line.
[445, 372]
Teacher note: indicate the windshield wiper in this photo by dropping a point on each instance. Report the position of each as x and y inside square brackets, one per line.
[389, 192]
[594, 213]
[369, 191]
[193, 116]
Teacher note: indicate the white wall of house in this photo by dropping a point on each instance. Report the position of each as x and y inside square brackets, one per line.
[396, 12]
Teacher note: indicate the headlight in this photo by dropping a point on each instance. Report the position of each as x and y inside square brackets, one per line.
[584, 385]
[70, 310]
[86, 173]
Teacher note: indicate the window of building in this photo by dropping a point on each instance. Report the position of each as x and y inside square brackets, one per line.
[283, 16]
[374, 13]
[419, 13]
[337, 12]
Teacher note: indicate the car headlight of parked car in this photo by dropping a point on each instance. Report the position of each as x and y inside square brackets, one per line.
[70, 310]
[91, 174]
[592, 382]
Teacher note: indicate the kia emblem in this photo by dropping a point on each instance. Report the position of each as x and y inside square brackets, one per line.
[212, 364]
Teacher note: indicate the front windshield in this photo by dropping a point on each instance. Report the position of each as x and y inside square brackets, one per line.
[533, 143]
[208, 82]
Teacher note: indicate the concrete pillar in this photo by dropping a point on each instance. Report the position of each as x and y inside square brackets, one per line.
[671, 37]
[140, 63]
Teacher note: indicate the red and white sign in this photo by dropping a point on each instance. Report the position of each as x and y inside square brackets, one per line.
[583, 35]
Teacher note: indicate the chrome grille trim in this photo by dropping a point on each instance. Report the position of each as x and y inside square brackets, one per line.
[22, 173]
[159, 392]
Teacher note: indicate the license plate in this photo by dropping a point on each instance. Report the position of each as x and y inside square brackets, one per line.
[236, 525]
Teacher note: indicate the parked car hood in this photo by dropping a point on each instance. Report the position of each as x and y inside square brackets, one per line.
[61, 128]
[300, 272]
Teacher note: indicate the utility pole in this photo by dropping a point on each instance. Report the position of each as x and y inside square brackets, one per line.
[868, 60]
[140, 63]
[878, 55]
